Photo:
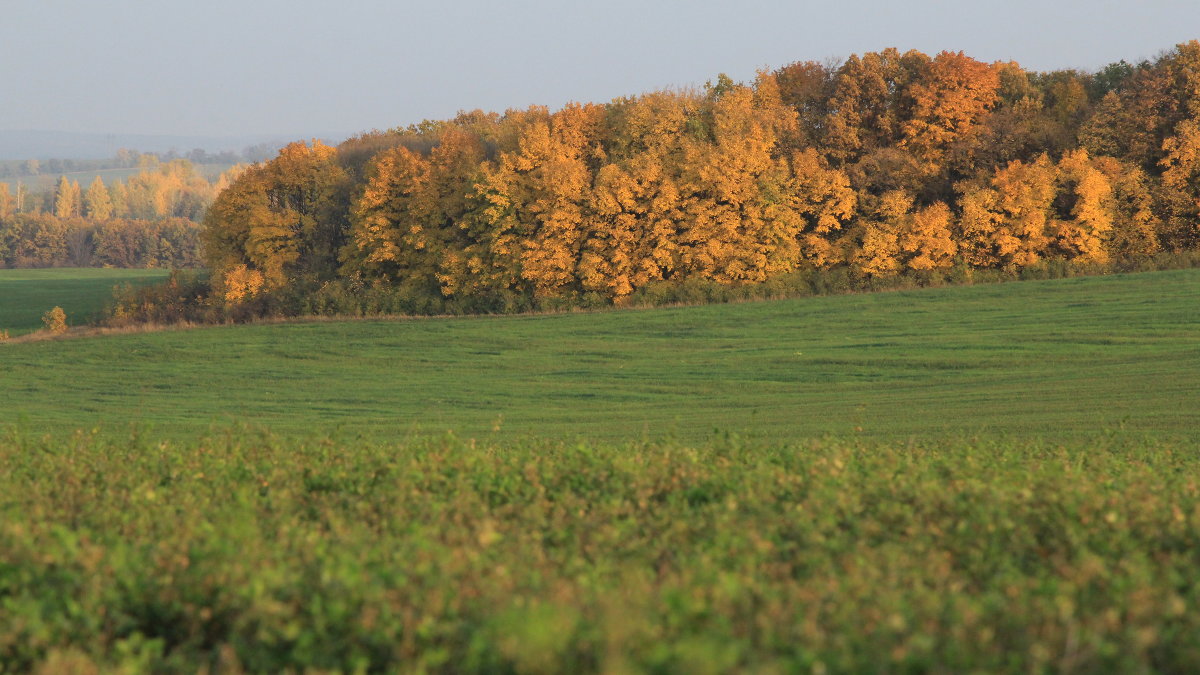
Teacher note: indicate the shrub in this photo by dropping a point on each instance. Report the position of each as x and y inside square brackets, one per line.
[55, 321]
[183, 297]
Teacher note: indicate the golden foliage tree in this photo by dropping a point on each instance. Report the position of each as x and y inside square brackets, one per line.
[871, 99]
[1006, 221]
[7, 202]
[534, 199]
[408, 223]
[1181, 180]
[739, 222]
[96, 202]
[878, 235]
[67, 198]
[827, 202]
[280, 218]
[1084, 220]
[926, 238]
[948, 103]
[387, 228]
[635, 202]
[1136, 226]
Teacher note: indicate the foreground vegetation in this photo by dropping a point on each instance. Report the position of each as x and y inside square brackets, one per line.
[239, 549]
[83, 293]
[986, 478]
[1053, 359]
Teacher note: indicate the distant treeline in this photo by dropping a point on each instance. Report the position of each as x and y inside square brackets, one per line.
[150, 220]
[888, 164]
[44, 240]
[132, 159]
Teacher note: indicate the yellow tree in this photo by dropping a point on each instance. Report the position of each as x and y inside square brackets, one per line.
[878, 234]
[827, 202]
[280, 219]
[387, 236]
[118, 194]
[1181, 178]
[1084, 218]
[535, 195]
[407, 225]
[96, 201]
[635, 203]
[926, 238]
[67, 198]
[1136, 226]
[7, 203]
[739, 222]
[1006, 221]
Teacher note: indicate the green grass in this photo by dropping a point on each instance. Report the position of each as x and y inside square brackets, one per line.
[145, 556]
[1007, 484]
[26, 294]
[1064, 359]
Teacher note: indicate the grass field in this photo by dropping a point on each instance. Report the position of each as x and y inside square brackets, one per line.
[27, 294]
[1058, 359]
[984, 479]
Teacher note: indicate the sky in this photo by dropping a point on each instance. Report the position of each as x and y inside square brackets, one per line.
[318, 68]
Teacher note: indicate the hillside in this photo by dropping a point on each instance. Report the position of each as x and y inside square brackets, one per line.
[1054, 359]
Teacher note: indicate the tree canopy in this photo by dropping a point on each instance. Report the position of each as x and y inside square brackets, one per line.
[888, 163]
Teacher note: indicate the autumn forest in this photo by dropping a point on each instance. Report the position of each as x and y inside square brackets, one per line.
[889, 164]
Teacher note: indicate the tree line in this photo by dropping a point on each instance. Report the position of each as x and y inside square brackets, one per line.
[150, 220]
[126, 158]
[44, 240]
[888, 164]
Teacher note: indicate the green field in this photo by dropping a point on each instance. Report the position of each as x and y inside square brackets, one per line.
[238, 553]
[27, 294]
[995, 478]
[1062, 359]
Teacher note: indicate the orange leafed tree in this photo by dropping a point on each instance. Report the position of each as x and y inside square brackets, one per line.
[871, 99]
[279, 219]
[739, 222]
[535, 217]
[635, 198]
[388, 223]
[947, 103]
[1084, 220]
[926, 238]
[827, 203]
[1006, 222]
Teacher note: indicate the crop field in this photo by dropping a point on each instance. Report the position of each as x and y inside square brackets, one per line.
[1059, 359]
[26, 294]
[990, 478]
[240, 551]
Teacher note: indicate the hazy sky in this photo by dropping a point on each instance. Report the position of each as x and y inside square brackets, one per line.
[311, 67]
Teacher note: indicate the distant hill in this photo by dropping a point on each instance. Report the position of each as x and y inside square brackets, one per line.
[42, 145]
